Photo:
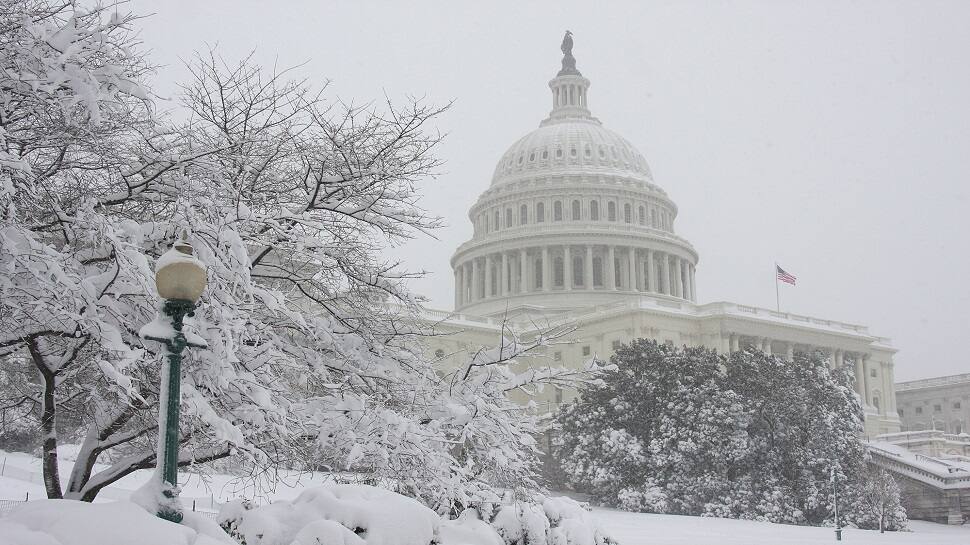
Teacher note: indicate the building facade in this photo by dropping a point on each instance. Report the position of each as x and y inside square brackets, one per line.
[941, 403]
[573, 228]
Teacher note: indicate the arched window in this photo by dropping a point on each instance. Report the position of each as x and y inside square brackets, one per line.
[557, 211]
[523, 215]
[627, 213]
[643, 216]
[594, 210]
[508, 217]
[875, 400]
[540, 212]
[597, 271]
[537, 269]
[653, 218]
[559, 273]
[576, 211]
[578, 279]
[497, 223]
[611, 211]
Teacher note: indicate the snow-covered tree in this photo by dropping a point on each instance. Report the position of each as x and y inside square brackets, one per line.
[688, 431]
[313, 355]
[877, 503]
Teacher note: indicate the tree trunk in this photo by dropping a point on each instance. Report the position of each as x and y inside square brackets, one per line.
[48, 420]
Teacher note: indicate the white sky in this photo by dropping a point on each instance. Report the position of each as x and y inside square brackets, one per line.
[831, 137]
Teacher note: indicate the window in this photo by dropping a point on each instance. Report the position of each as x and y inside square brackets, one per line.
[497, 223]
[538, 273]
[588, 152]
[508, 217]
[540, 212]
[439, 353]
[597, 271]
[545, 154]
[557, 356]
[578, 279]
[956, 404]
[937, 408]
[616, 275]
[559, 153]
[494, 281]
[653, 218]
[557, 210]
[594, 210]
[900, 411]
[875, 402]
[919, 410]
[532, 156]
[572, 152]
[616, 345]
[523, 215]
[611, 211]
[485, 221]
[559, 272]
[643, 216]
[586, 351]
[627, 213]
[872, 373]
[576, 211]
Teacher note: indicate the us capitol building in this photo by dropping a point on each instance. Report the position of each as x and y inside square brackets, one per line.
[574, 229]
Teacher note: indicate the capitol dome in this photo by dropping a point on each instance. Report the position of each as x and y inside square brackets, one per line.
[571, 219]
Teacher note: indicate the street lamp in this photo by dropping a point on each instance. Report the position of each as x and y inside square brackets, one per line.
[180, 279]
[835, 498]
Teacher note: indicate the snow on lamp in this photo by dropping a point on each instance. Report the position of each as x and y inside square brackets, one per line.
[179, 275]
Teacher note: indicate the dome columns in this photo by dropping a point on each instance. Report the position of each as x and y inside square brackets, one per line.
[572, 267]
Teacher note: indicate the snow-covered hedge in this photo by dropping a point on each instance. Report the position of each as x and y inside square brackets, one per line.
[366, 515]
[69, 522]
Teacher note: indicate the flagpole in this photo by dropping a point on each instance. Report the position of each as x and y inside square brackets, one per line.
[777, 297]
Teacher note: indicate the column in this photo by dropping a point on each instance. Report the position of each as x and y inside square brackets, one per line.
[634, 275]
[610, 268]
[789, 351]
[567, 268]
[684, 267]
[735, 342]
[476, 280]
[546, 270]
[458, 287]
[665, 274]
[678, 279]
[504, 276]
[693, 284]
[523, 271]
[866, 387]
[839, 358]
[488, 277]
[588, 268]
[651, 273]
[766, 345]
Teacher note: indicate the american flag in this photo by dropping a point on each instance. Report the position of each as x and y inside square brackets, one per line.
[784, 276]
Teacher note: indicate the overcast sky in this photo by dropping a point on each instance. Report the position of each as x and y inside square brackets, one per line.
[832, 138]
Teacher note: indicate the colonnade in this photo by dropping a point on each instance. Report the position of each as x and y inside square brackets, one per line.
[573, 267]
[873, 379]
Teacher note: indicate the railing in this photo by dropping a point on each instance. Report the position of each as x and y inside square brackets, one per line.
[932, 382]
[734, 308]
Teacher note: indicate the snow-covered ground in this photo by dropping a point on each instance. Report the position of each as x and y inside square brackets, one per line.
[644, 529]
[21, 474]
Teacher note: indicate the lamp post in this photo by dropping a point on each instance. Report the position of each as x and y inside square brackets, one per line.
[835, 501]
[180, 279]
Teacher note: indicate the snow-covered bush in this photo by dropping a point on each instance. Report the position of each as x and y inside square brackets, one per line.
[549, 521]
[66, 522]
[349, 514]
[752, 436]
